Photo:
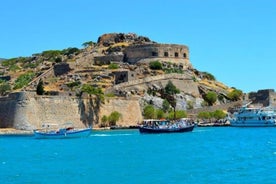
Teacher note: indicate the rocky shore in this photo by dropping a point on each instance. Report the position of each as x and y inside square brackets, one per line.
[12, 131]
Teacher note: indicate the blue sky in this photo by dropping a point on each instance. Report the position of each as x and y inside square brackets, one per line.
[235, 40]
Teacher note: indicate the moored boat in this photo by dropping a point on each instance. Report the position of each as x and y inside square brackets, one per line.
[48, 131]
[166, 126]
[254, 117]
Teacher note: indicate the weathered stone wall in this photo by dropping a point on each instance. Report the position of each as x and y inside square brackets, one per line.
[184, 82]
[265, 97]
[104, 60]
[7, 110]
[128, 108]
[176, 52]
[61, 68]
[27, 111]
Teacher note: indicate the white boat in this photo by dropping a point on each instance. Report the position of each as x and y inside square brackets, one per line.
[254, 117]
[50, 131]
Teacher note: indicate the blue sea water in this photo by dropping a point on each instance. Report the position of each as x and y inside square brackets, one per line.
[206, 155]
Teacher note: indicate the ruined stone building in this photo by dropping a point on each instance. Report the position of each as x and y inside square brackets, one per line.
[178, 54]
[266, 97]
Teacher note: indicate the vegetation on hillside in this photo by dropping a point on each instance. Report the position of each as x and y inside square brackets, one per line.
[24, 69]
[23, 80]
[4, 87]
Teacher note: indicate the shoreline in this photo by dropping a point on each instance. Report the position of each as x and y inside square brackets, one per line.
[13, 131]
[16, 132]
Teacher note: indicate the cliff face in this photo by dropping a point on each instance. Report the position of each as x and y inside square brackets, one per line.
[27, 111]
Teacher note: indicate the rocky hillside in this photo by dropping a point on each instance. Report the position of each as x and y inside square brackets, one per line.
[105, 65]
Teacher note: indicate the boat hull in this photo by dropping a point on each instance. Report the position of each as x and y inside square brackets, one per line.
[166, 130]
[252, 124]
[60, 135]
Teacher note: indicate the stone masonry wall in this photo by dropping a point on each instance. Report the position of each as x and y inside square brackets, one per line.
[175, 52]
[27, 111]
[128, 108]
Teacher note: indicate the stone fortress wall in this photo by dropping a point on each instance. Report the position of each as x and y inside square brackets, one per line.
[28, 111]
[177, 54]
[174, 53]
[266, 97]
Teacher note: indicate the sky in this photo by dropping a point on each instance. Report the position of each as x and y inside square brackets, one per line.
[235, 40]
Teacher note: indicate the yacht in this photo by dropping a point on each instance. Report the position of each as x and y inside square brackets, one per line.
[254, 117]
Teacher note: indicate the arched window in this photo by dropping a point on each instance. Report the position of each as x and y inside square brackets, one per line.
[176, 54]
[184, 55]
[166, 54]
[154, 54]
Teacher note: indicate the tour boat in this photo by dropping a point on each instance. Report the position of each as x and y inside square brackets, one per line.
[166, 126]
[49, 131]
[253, 117]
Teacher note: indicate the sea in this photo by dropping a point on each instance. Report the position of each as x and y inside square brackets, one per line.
[206, 155]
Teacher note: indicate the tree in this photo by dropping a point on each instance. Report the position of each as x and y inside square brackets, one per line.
[58, 59]
[149, 112]
[165, 105]
[160, 114]
[92, 90]
[204, 115]
[235, 95]
[210, 98]
[219, 114]
[87, 44]
[168, 93]
[171, 89]
[104, 120]
[209, 76]
[177, 114]
[113, 118]
[40, 88]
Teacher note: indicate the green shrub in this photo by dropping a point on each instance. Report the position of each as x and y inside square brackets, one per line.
[14, 68]
[219, 114]
[70, 50]
[23, 80]
[71, 85]
[235, 95]
[4, 87]
[149, 112]
[113, 118]
[51, 54]
[155, 65]
[160, 114]
[113, 66]
[178, 114]
[173, 70]
[209, 76]
[89, 43]
[91, 90]
[110, 95]
[210, 98]
[204, 115]
[9, 62]
[104, 121]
